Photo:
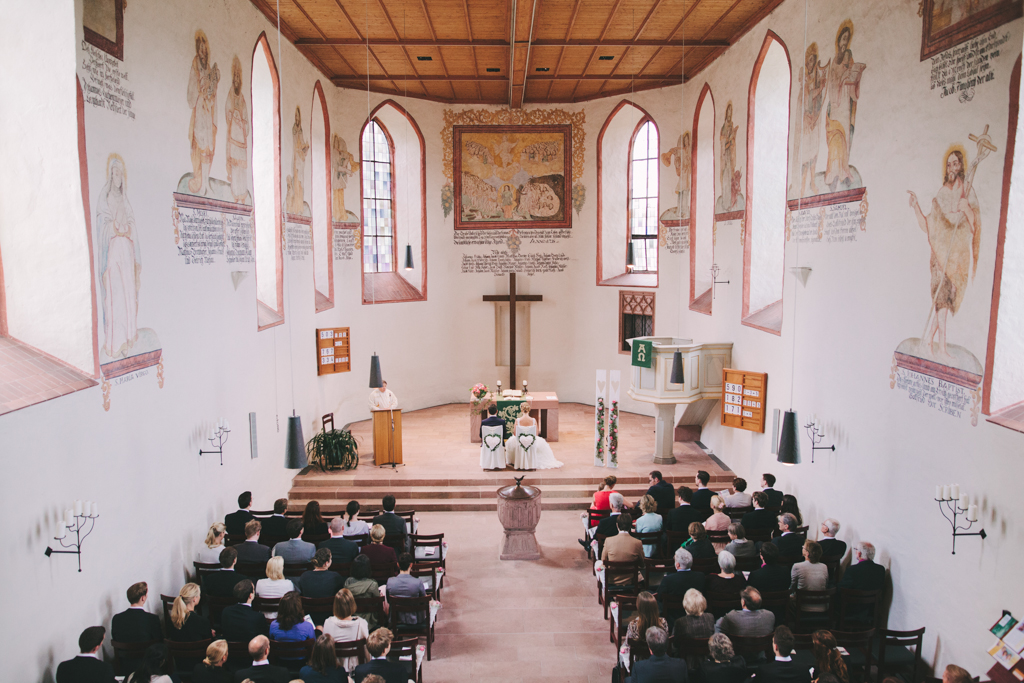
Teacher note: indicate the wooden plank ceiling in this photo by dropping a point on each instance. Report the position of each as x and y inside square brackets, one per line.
[463, 51]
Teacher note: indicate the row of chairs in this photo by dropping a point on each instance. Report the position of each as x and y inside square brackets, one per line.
[364, 515]
[424, 547]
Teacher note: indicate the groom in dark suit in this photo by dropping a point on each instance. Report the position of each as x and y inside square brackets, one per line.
[492, 419]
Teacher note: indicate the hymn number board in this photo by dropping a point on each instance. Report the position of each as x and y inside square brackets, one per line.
[744, 399]
[332, 348]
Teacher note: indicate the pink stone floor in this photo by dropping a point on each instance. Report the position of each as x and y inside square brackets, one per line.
[513, 621]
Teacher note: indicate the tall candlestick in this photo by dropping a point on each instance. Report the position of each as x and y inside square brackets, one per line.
[78, 508]
[972, 513]
[963, 501]
[945, 492]
[954, 491]
[68, 518]
[60, 531]
[938, 493]
[227, 427]
[95, 511]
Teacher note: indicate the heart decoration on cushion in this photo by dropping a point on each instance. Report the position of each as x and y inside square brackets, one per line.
[496, 438]
[527, 441]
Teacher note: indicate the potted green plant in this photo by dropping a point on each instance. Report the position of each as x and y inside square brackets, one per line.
[334, 449]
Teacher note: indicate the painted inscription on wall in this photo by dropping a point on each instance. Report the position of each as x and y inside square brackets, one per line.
[675, 238]
[945, 397]
[238, 233]
[105, 84]
[344, 244]
[199, 234]
[463, 238]
[960, 70]
[503, 262]
[298, 241]
[829, 224]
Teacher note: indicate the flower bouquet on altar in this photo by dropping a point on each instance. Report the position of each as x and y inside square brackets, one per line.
[480, 400]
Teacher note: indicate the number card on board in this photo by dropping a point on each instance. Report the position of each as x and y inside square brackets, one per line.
[744, 396]
[332, 345]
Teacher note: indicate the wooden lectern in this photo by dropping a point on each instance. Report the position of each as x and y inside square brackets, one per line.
[387, 437]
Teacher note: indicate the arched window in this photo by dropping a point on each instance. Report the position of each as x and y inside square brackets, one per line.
[1002, 393]
[764, 245]
[702, 203]
[320, 201]
[394, 206]
[378, 200]
[643, 198]
[627, 157]
[266, 186]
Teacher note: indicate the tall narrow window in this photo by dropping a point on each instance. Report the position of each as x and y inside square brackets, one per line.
[643, 198]
[702, 203]
[266, 185]
[378, 200]
[320, 202]
[764, 245]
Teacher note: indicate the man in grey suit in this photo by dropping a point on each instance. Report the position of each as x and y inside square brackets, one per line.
[749, 621]
[295, 550]
[405, 585]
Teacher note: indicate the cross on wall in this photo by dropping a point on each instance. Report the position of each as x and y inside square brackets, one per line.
[512, 298]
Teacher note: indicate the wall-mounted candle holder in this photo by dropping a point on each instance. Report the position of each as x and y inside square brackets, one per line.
[714, 279]
[957, 504]
[817, 435]
[74, 521]
[217, 438]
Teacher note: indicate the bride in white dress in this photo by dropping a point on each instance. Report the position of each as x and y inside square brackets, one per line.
[543, 456]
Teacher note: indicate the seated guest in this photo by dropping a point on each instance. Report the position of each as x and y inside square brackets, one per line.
[235, 521]
[312, 521]
[323, 666]
[320, 582]
[810, 574]
[622, 548]
[221, 584]
[955, 674]
[392, 523]
[649, 521]
[658, 668]
[362, 585]
[728, 581]
[768, 488]
[210, 552]
[739, 545]
[346, 626]
[600, 501]
[87, 667]
[718, 521]
[723, 665]
[405, 585]
[378, 645]
[609, 526]
[831, 549]
[790, 543]
[661, 491]
[772, 577]
[262, 671]
[187, 626]
[135, 624]
[702, 496]
[759, 518]
[684, 514]
[790, 505]
[863, 575]
[211, 669]
[376, 550]
[342, 550]
[750, 621]
[696, 623]
[295, 550]
[646, 617]
[276, 526]
[353, 525]
[698, 544]
[827, 659]
[275, 585]
[292, 624]
[739, 499]
[783, 669]
[250, 550]
[240, 623]
[156, 666]
[492, 420]
[679, 582]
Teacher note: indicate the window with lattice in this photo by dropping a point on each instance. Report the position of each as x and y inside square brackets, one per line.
[636, 317]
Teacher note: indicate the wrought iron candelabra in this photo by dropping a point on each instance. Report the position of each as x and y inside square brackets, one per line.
[816, 437]
[75, 522]
[218, 437]
[714, 279]
[949, 498]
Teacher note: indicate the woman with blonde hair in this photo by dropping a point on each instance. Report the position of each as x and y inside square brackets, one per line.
[646, 617]
[377, 551]
[275, 585]
[346, 626]
[211, 669]
[649, 521]
[718, 521]
[210, 552]
[186, 625]
[697, 623]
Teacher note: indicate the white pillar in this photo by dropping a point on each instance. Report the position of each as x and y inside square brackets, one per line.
[664, 434]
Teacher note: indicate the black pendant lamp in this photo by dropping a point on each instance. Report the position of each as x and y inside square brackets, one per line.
[789, 443]
[376, 381]
[295, 445]
[677, 376]
[408, 257]
[629, 257]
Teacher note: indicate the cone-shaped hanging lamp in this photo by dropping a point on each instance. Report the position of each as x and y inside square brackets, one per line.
[677, 369]
[789, 442]
[408, 257]
[376, 379]
[295, 445]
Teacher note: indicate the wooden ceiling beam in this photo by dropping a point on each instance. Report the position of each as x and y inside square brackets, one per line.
[568, 35]
[469, 33]
[517, 103]
[503, 79]
[310, 55]
[647, 19]
[459, 42]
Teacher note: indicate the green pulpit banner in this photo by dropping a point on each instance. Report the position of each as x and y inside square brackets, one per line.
[509, 411]
[643, 353]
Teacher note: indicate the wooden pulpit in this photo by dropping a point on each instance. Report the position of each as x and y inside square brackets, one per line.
[387, 437]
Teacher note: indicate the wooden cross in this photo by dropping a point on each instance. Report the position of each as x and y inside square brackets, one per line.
[512, 298]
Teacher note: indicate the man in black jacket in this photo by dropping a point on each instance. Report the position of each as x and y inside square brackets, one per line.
[392, 523]
[772, 577]
[276, 525]
[135, 624]
[251, 550]
[492, 419]
[677, 583]
[241, 623]
[768, 486]
[759, 518]
[343, 551]
[221, 584]
[658, 668]
[87, 667]
[685, 513]
[863, 575]
[609, 525]
[661, 491]
[783, 669]
[235, 521]
[790, 543]
[702, 496]
[378, 645]
[831, 548]
[261, 671]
